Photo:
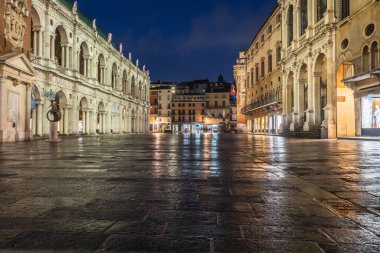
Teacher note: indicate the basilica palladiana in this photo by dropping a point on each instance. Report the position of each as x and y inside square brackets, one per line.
[99, 87]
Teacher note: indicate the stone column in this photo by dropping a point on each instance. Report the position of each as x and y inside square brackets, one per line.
[34, 121]
[330, 108]
[67, 57]
[66, 121]
[52, 48]
[87, 122]
[45, 122]
[34, 34]
[40, 43]
[28, 135]
[39, 117]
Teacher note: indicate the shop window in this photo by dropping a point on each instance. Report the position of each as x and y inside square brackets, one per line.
[370, 110]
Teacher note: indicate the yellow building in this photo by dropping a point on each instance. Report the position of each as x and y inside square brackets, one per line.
[358, 69]
[188, 113]
[258, 73]
[160, 112]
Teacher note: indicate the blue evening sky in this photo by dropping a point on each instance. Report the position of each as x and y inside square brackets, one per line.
[181, 40]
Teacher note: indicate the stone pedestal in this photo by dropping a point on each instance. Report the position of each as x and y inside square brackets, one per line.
[53, 133]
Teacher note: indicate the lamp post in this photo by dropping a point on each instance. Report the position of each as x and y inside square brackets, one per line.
[53, 115]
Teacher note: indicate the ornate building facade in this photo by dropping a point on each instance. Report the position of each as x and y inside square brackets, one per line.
[358, 69]
[99, 90]
[261, 65]
[329, 67]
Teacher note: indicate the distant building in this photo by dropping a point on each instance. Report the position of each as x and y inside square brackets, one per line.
[195, 106]
[160, 111]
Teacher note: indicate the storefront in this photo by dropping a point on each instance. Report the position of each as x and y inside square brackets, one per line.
[370, 115]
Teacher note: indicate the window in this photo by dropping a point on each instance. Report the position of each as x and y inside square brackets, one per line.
[252, 80]
[262, 67]
[270, 29]
[278, 55]
[278, 19]
[262, 38]
[224, 103]
[290, 25]
[304, 16]
[321, 9]
[345, 8]
[365, 59]
[216, 103]
[256, 46]
[257, 73]
[375, 61]
[369, 30]
[270, 63]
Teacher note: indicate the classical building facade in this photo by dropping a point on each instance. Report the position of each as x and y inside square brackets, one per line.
[262, 82]
[98, 89]
[195, 106]
[160, 111]
[329, 55]
[358, 69]
[240, 75]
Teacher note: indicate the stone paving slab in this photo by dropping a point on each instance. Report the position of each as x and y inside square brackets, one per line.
[190, 193]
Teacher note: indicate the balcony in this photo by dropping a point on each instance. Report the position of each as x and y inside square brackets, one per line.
[362, 68]
[271, 102]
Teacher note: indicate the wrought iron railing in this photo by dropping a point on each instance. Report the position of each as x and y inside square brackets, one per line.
[275, 97]
[362, 65]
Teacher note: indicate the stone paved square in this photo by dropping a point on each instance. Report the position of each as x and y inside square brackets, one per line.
[190, 193]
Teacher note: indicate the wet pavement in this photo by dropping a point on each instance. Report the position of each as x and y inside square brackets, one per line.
[188, 193]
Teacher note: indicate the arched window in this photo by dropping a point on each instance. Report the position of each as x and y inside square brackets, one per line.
[290, 25]
[58, 48]
[83, 59]
[375, 62]
[278, 55]
[365, 59]
[101, 67]
[263, 67]
[270, 64]
[304, 16]
[125, 82]
[345, 9]
[321, 9]
[114, 76]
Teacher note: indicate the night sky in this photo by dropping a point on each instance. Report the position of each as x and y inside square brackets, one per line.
[182, 40]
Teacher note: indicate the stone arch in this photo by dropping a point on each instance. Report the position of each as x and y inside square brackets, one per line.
[101, 118]
[84, 57]
[133, 86]
[62, 101]
[365, 64]
[302, 91]
[140, 90]
[114, 76]
[36, 32]
[290, 24]
[125, 82]
[320, 87]
[375, 61]
[101, 65]
[60, 45]
[84, 116]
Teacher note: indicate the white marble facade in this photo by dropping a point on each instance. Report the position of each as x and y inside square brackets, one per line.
[99, 89]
